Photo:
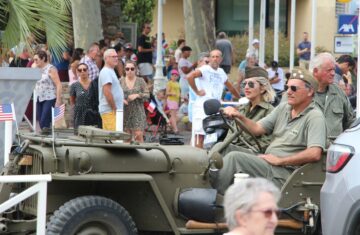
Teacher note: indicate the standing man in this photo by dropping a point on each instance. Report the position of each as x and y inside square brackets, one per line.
[330, 98]
[254, 50]
[303, 51]
[185, 67]
[111, 95]
[210, 85]
[144, 55]
[276, 77]
[224, 45]
[343, 65]
[299, 137]
[90, 60]
[180, 45]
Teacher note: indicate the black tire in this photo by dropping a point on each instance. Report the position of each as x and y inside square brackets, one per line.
[90, 215]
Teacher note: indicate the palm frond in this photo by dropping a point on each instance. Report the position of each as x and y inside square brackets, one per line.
[26, 17]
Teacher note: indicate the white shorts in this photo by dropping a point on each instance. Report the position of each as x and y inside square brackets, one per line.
[145, 69]
[198, 115]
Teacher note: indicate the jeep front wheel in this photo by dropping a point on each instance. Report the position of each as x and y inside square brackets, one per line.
[91, 215]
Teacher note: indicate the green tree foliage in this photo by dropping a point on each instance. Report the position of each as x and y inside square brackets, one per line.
[137, 11]
[21, 19]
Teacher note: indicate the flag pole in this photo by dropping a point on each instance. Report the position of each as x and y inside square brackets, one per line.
[53, 130]
[7, 141]
[16, 124]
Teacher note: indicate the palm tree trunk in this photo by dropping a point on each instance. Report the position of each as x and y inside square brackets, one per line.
[86, 15]
[199, 25]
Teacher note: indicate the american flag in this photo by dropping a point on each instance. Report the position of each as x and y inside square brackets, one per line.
[59, 112]
[6, 112]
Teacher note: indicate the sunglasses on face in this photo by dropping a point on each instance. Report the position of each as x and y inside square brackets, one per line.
[80, 70]
[250, 84]
[293, 88]
[130, 68]
[269, 212]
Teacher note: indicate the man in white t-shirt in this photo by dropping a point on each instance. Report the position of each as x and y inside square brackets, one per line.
[210, 85]
[185, 67]
[276, 77]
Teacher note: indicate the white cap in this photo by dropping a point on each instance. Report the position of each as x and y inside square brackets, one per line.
[255, 41]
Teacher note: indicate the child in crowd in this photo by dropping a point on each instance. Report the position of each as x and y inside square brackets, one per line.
[173, 97]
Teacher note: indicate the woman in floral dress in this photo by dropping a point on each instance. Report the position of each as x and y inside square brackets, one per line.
[135, 93]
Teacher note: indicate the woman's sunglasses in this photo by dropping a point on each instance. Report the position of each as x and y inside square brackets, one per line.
[250, 84]
[128, 69]
[82, 70]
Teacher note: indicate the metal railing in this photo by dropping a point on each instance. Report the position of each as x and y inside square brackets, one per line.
[40, 188]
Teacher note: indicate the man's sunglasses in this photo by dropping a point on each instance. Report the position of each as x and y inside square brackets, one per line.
[250, 84]
[128, 69]
[269, 212]
[82, 70]
[293, 88]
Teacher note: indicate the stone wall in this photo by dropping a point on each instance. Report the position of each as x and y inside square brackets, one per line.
[110, 14]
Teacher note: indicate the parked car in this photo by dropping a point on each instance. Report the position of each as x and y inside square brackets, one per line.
[340, 194]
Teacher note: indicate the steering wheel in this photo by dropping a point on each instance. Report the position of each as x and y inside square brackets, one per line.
[242, 126]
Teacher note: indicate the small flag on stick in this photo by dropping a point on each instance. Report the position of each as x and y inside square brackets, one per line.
[6, 112]
[151, 107]
[59, 112]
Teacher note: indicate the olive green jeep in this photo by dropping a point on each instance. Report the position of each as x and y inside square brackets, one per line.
[100, 185]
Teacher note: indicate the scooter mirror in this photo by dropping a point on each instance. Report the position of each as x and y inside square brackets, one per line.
[212, 106]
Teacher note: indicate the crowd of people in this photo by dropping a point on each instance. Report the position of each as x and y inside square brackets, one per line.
[292, 114]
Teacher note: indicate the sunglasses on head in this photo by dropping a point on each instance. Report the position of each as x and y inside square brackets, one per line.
[293, 88]
[269, 212]
[82, 70]
[128, 69]
[250, 84]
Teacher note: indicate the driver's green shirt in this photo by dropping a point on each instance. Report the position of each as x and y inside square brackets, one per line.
[293, 135]
[257, 113]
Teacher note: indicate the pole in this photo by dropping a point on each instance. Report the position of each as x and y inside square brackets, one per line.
[262, 33]
[358, 69]
[119, 120]
[159, 76]
[292, 34]
[276, 30]
[251, 22]
[313, 28]
[7, 140]
[34, 110]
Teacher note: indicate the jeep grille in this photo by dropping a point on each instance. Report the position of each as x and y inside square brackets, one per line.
[30, 204]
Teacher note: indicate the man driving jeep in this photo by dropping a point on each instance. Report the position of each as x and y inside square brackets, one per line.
[299, 137]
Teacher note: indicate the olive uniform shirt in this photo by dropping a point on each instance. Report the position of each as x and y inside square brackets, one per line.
[337, 109]
[261, 110]
[293, 135]
[290, 136]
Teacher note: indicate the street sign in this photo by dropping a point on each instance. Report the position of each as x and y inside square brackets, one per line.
[343, 44]
[348, 24]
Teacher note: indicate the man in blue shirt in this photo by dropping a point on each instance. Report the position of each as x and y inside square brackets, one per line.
[303, 51]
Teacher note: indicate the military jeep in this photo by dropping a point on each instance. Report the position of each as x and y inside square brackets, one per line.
[101, 185]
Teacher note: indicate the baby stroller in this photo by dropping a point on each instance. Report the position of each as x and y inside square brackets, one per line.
[157, 124]
[156, 120]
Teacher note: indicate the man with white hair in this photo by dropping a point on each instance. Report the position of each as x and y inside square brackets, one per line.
[111, 95]
[89, 60]
[254, 49]
[330, 98]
